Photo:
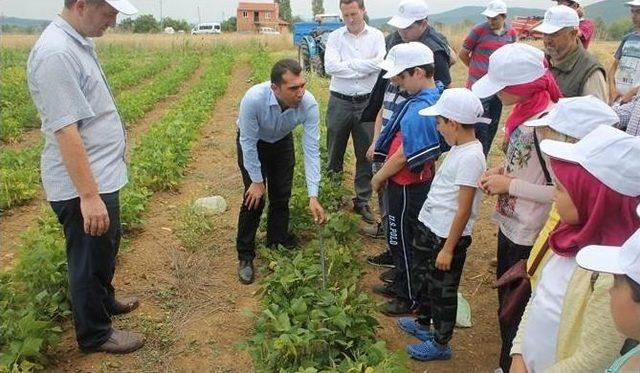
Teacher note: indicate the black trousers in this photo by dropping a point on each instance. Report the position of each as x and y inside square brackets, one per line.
[487, 132]
[509, 254]
[437, 290]
[277, 161]
[91, 265]
[404, 203]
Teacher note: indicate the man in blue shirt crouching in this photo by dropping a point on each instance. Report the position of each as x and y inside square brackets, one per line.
[269, 112]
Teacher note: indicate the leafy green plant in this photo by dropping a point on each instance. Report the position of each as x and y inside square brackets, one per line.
[19, 176]
[193, 228]
[303, 326]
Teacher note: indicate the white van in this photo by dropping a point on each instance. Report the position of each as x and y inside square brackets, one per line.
[207, 28]
[268, 31]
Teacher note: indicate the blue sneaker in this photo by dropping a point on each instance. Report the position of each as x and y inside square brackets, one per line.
[413, 327]
[429, 350]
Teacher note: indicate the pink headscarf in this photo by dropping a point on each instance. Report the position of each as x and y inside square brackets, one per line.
[606, 216]
[538, 94]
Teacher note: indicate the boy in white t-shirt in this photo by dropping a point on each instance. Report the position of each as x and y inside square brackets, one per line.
[443, 233]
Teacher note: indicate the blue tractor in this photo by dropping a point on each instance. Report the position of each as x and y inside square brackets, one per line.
[311, 39]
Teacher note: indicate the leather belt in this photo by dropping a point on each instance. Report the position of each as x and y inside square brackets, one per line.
[357, 98]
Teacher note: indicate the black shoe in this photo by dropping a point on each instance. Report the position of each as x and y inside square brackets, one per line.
[373, 231]
[388, 276]
[365, 213]
[386, 290]
[245, 271]
[397, 307]
[382, 260]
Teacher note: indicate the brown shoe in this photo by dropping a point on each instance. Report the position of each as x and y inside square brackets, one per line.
[122, 342]
[125, 305]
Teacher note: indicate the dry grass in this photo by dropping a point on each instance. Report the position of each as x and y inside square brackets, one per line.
[155, 41]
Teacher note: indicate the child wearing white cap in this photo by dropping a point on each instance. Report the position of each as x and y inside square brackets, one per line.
[570, 120]
[624, 263]
[408, 145]
[517, 74]
[567, 326]
[443, 233]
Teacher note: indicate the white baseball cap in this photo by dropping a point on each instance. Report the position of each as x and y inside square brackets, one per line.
[609, 154]
[575, 1]
[495, 8]
[577, 116]
[459, 104]
[409, 11]
[123, 6]
[633, 3]
[556, 18]
[619, 260]
[510, 65]
[404, 56]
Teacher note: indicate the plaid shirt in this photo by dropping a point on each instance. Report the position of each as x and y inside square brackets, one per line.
[629, 114]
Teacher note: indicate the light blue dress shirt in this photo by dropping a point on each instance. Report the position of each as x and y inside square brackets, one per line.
[68, 86]
[261, 118]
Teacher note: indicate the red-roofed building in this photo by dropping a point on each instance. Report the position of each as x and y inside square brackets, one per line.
[252, 16]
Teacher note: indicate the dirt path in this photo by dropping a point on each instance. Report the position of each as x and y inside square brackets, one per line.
[16, 220]
[193, 308]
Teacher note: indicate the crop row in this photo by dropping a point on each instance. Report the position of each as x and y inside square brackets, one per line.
[161, 155]
[34, 294]
[307, 324]
[19, 170]
[18, 112]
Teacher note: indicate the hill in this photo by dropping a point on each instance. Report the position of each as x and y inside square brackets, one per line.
[608, 10]
[23, 23]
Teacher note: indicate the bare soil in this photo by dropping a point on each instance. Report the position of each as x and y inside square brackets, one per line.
[16, 220]
[193, 310]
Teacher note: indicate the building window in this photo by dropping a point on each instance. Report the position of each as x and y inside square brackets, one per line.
[245, 14]
[267, 15]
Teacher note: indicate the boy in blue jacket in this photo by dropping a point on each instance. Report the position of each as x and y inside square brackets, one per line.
[408, 146]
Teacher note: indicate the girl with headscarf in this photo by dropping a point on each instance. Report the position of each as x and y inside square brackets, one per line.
[518, 75]
[567, 326]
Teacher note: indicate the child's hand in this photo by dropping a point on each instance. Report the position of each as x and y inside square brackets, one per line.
[376, 183]
[443, 260]
[496, 184]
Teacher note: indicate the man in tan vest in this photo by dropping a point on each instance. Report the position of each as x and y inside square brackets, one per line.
[577, 71]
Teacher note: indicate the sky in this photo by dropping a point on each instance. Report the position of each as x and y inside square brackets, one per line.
[216, 10]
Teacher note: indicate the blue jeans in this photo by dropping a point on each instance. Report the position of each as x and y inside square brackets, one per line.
[91, 264]
[486, 132]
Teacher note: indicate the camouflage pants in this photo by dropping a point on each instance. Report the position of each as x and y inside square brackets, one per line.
[437, 290]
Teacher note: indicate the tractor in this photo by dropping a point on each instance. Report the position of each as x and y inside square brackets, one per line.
[311, 39]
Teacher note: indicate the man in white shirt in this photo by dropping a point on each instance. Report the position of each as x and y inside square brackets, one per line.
[352, 55]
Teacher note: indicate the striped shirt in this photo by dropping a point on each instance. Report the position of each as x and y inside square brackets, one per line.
[393, 98]
[482, 41]
[629, 115]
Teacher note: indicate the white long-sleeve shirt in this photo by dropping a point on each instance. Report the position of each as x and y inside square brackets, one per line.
[352, 60]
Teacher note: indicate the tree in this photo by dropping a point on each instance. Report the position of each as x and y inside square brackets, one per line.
[145, 24]
[620, 28]
[285, 10]
[126, 25]
[317, 6]
[229, 25]
[177, 24]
